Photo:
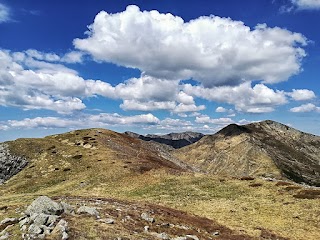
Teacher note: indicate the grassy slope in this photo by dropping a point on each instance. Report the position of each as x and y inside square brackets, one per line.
[114, 169]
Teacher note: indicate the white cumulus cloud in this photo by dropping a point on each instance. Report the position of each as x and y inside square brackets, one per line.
[209, 49]
[256, 99]
[309, 107]
[217, 121]
[100, 120]
[302, 94]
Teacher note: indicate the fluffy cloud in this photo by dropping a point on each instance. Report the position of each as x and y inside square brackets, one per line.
[147, 88]
[48, 85]
[116, 119]
[72, 57]
[307, 4]
[182, 108]
[217, 121]
[171, 122]
[221, 109]
[256, 99]
[209, 49]
[44, 122]
[31, 84]
[3, 127]
[4, 13]
[309, 107]
[100, 120]
[302, 94]
[148, 94]
[147, 106]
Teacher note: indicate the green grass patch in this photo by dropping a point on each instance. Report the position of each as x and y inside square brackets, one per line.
[195, 188]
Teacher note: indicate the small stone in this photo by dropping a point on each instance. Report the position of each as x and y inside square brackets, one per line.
[146, 217]
[165, 225]
[107, 220]
[215, 233]
[41, 236]
[88, 210]
[67, 208]
[163, 236]
[39, 219]
[65, 236]
[62, 229]
[52, 220]
[9, 221]
[146, 228]
[192, 237]
[34, 229]
[24, 221]
[4, 236]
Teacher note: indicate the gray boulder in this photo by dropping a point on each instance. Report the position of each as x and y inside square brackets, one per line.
[88, 210]
[67, 208]
[44, 205]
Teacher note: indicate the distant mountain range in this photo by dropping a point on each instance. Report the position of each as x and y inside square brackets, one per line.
[175, 140]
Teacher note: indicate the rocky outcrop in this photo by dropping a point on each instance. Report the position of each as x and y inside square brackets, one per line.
[175, 140]
[41, 219]
[267, 149]
[9, 164]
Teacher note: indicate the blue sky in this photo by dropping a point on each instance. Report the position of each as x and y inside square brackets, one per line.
[157, 66]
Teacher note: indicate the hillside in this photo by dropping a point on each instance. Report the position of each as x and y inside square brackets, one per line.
[125, 178]
[267, 149]
[175, 140]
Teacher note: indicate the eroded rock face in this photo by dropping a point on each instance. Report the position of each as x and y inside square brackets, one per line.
[9, 164]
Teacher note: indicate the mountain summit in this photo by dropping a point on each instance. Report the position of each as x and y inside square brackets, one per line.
[266, 148]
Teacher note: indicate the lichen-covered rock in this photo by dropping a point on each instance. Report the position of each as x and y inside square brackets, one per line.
[61, 229]
[88, 210]
[67, 208]
[44, 205]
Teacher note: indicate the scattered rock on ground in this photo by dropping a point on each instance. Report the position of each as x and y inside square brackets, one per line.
[40, 219]
[88, 210]
[192, 237]
[146, 217]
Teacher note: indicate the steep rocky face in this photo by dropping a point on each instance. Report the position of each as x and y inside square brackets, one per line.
[175, 140]
[9, 164]
[266, 148]
[297, 154]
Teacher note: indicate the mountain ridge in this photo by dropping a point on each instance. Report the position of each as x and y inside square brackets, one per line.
[175, 140]
[282, 151]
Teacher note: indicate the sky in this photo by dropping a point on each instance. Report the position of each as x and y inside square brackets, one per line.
[152, 66]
